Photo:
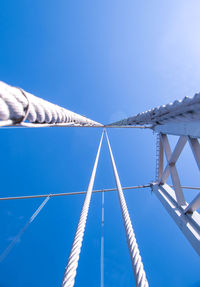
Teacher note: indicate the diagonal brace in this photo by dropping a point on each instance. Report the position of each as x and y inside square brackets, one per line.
[171, 165]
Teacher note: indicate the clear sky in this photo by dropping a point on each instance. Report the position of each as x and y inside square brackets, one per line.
[106, 60]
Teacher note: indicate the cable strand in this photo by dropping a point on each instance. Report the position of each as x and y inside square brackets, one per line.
[71, 268]
[136, 260]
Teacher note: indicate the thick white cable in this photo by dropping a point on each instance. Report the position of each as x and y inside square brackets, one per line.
[22, 230]
[70, 270]
[16, 106]
[102, 242]
[137, 265]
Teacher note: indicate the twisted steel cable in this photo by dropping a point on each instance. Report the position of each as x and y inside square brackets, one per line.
[102, 241]
[70, 270]
[16, 105]
[136, 260]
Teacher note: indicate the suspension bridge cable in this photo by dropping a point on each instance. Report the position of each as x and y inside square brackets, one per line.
[17, 105]
[137, 265]
[71, 193]
[102, 241]
[70, 270]
[22, 230]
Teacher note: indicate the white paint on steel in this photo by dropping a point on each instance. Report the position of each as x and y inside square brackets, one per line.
[184, 214]
[184, 128]
[23, 229]
[137, 265]
[171, 167]
[16, 106]
[184, 110]
[70, 270]
[194, 144]
[194, 205]
[189, 224]
[171, 157]
[178, 118]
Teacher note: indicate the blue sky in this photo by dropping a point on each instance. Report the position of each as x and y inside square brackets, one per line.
[106, 60]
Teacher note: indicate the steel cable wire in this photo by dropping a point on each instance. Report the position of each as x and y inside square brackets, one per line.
[17, 105]
[22, 230]
[136, 260]
[70, 270]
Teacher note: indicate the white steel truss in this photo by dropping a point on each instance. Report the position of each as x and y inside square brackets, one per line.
[185, 215]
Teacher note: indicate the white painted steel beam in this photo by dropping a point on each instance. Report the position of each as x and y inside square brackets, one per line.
[194, 144]
[172, 158]
[185, 128]
[164, 175]
[189, 224]
[178, 118]
[178, 149]
[194, 205]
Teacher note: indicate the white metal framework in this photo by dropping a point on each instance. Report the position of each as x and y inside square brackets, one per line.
[180, 118]
[185, 215]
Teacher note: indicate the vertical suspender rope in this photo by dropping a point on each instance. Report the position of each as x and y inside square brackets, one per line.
[137, 265]
[102, 242]
[70, 270]
[22, 230]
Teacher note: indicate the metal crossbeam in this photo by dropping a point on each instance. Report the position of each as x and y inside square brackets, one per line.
[189, 128]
